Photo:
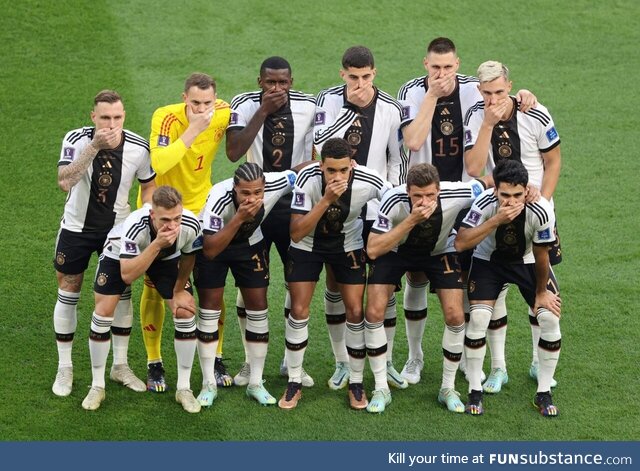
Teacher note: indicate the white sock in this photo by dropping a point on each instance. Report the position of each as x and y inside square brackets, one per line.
[65, 321]
[121, 328]
[375, 341]
[207, 343]
[452, 341]
[242, 322]
[357, 351]
[475, 343]
[185, 345]
[296, 339]
[497, 331]
[257, 342]
[335, 316]
[548, 348]
[99, 346]
[535, 337]
[390, 320]
[415, 315]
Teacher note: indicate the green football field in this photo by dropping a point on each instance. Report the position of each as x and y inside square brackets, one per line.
[580, 59]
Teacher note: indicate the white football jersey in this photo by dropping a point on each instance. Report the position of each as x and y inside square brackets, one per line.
[221, 206]
[100, 200]
[444, 146]
[523, 137]
[340, 228]
[512, 242]
[285, 138]
[133, 236]
[433, 236]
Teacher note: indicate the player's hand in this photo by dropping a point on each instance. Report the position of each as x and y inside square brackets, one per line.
[361, 95]
[493, 113]
[548, 300]
[533, 193]
[248, 210]
[527, 100]
[420, 213]
[441, 85]
[200, 121]
[167, 236]
[107, 138]
[508, 212]
[273, 100]
[334, 190]
[182, 305]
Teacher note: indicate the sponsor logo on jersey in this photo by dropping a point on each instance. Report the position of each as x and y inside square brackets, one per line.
[467, 137]
[197, 243]
[68, 153]
[130, 247]
[215, 223]
[473, 217]
[552, 134]
[163, 141]
[319, 119]
[383, 222]
[233, 119]
[298, 199]
[405, 112]
[544, 234]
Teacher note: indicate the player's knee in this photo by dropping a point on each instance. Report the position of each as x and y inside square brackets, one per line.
[479, 318]
[548, 322]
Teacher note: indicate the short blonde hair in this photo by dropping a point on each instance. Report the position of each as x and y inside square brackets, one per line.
[166, 197]
[491, 70]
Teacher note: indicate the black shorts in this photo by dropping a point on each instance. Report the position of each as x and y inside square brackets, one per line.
[442, 270]
[162, 273]
[348, 268]
[275, 229]
[74, 250]
[248, 265]
[486, 280]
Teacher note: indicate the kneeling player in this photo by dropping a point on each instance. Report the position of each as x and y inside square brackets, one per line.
[160, 241]
[411, 233]
[233, 240]
[512, 240]
[326, 228]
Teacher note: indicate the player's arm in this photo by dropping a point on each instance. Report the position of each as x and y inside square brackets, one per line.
[469, 236]
[526, 100]
[552, 164]
[475, 157]
[146, 190]
[218, 241]
[167, 149]
[544, 297]
[397, 165]
[328, 124]
[69, 175]
[132, 268]
[303, 224]
[181, 297]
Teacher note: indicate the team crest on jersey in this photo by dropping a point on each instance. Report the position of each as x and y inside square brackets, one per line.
[101, 279]
[552, 134]
[505, 151]
[544, 234]
[197, 244]
[467, 137]
[68, 153]
[383, 222]
[130, 247]
[405, 112]
[298, 199]
[163, 141]
[60, 258]
[319, 119]
[446, 127]
[473, 217]
[105, 179]
[215, 223]
[233, 119]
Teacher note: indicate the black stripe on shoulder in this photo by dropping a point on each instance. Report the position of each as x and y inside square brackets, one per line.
[133, 138]
[544, 118]
[456, 193]
[306, 174]
[299, 96]
[415, 83]
[385, 97]
[486, 200]
[138, 227]
[467, 79]
[337, 90]
[222, 203]
[243, 97]
[393, 200]
[540, 212]
[76, 136]
[478, 106]
[360, 174]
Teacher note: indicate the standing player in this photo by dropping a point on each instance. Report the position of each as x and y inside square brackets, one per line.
[184, 140]
[232, 218]
[369, 119]
[512, 240]
[159, 240]
[274, 128]
[326, 228]
[495, 129]
[434, 106]
[97, 167]
[412, 233]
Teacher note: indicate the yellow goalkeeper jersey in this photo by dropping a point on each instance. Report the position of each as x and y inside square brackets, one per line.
[186, 169]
